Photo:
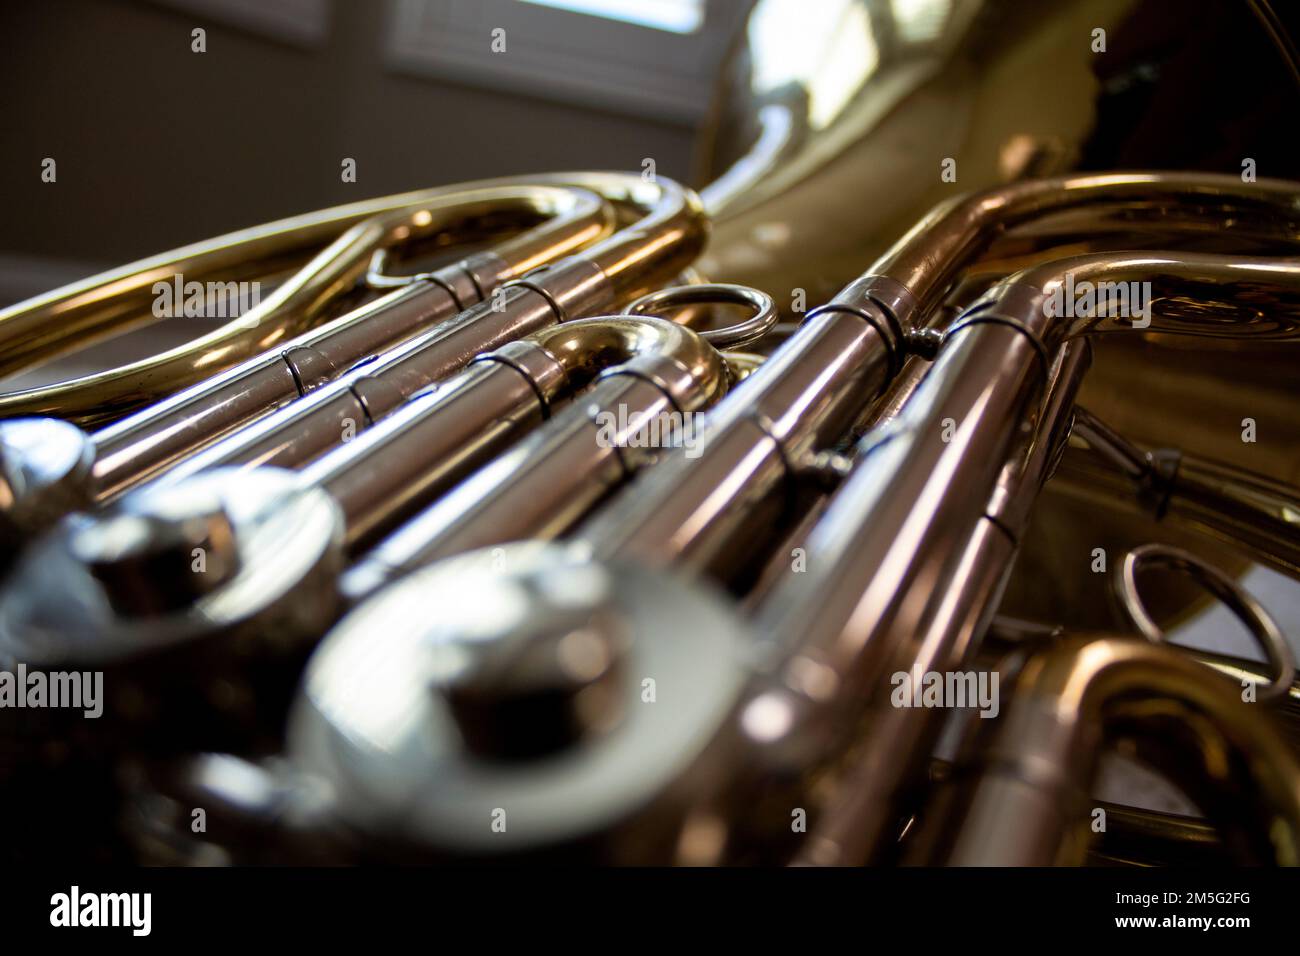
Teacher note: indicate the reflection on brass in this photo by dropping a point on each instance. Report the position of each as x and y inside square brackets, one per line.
[662, 521]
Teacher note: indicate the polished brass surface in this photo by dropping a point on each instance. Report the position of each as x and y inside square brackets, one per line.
[423, 450]
[1088, 691]
[634, 510]
[38, 329]
[819, 159]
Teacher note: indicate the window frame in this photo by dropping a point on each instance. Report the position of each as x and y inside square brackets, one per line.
[564, 56]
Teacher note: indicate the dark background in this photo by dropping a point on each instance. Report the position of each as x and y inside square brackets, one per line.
[158, 146]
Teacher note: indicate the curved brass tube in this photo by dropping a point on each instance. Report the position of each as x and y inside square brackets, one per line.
[421, 450]
[407, 331]
[46, 326]
[542, 487]
[1215, 296]
[906, 527]
[933, 253]
[846, 352]
[667, 236]
[584, 347]
[1007, 635]
[31, 331]
[1003, 809]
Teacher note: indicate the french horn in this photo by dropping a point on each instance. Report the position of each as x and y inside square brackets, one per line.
[843, 512]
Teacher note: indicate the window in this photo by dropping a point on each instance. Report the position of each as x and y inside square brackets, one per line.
[676, 16]
[652, 58]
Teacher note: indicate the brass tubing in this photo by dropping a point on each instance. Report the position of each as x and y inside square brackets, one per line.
[896, 531]
[1150, 838]
[415, 454]
[1001, 808]
[537, 490]
[1229, 503]
[692, 513]
[1132, 837]
[143, 444]
[1235, 297]
[544, 485]
[275, 543]
[822, 480]
[916, 543]
[703, 511]
[880, 785]
[1006, 635]
[672, 225]
[45, 327]
[933, 253]
[423, 448]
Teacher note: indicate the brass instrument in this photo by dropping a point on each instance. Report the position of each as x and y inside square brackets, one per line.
[534, 554]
